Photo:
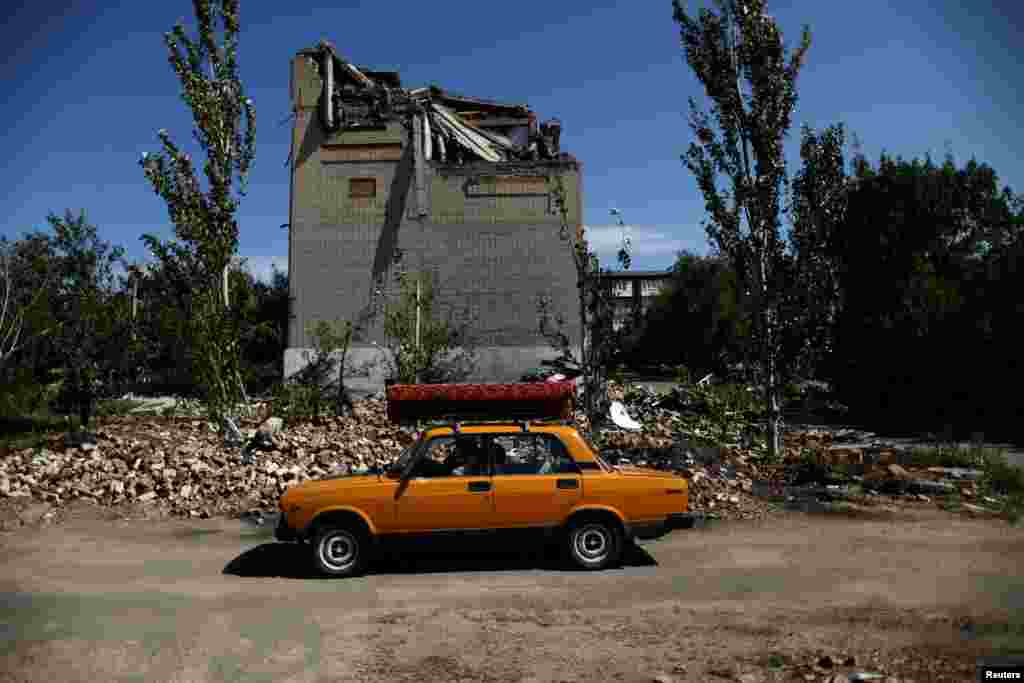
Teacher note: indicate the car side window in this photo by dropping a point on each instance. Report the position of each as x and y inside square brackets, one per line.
[531, 454]
[452, 456]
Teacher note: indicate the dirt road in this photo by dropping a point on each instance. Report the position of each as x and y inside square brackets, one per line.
[214, 600]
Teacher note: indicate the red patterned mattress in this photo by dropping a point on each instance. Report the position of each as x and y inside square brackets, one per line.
[522, 400]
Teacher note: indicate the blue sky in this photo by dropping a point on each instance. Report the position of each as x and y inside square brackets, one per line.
[86, 89]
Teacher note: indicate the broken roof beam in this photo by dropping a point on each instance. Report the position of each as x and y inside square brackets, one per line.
[355, 73]
[327, 50]
[465, 135]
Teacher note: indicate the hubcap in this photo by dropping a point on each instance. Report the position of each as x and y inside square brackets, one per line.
[338, 550]
[592, 543]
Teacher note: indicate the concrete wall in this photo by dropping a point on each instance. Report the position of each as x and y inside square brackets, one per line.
[486, 233]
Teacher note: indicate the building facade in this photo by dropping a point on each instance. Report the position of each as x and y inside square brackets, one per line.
[386, 180]
[632, 292]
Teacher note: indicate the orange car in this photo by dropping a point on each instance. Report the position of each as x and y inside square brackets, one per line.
[493, 476]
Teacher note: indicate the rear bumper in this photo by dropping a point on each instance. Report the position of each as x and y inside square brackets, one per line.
[650, 530]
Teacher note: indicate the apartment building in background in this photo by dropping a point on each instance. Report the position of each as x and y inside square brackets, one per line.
[632, 292]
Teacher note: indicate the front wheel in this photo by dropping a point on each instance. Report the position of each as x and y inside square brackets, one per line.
[594, 544]
[340, 551]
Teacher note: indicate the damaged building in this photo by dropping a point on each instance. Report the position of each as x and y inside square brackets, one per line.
[388, 180]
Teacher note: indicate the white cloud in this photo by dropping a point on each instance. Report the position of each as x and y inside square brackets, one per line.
[653, 246]
[262, 266]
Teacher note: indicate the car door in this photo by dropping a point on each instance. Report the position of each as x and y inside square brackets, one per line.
[433, 500]
[537, 485]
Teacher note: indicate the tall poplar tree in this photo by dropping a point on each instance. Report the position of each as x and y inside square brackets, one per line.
[204, 219]
[739, 58]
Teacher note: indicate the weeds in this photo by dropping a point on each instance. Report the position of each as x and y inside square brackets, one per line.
[973, 457]
[1005, 482]
[29, 432]
[1000, 480]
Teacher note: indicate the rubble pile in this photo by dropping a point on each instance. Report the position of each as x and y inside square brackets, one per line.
[733, 481]
[183, 468]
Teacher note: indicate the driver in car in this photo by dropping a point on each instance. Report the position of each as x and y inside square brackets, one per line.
[467, 460]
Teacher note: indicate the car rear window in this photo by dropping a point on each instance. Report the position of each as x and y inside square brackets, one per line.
[597, 454]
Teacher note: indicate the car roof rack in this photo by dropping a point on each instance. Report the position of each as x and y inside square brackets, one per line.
[490, 403]
[456, 423]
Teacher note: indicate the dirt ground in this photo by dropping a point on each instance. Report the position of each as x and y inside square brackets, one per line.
[915, 595]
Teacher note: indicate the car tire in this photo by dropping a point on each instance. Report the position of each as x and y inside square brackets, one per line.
[593, 544]
[340, 551]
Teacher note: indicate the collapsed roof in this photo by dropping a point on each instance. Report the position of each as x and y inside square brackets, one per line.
[451, 128]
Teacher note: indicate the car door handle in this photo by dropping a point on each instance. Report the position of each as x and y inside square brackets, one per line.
[568, 484]
[479, 486]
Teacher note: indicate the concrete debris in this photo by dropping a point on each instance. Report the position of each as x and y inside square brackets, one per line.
[978, 510]
[956, 473]
[898, 472]
[919, 486]
[181, 468]
[821, 469]
[271, 426]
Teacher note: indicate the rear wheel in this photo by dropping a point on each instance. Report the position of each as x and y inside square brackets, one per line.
[340, 551]
[593, 544]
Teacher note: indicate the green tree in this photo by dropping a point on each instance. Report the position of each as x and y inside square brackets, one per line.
[421, 347]
[204, 221]
[600, 346]
[319, 387]
[701, 299]
[820, 197]
[160, 344]
[927, 273]
[264, 311]
[20, 297]
[28, 325]
[739, 58]
[91, 323]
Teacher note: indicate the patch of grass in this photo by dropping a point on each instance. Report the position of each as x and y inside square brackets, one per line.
[1000, 479]
[974, 457]
[31, 428]
[1005, 482]
[117, 406]
[950, 503]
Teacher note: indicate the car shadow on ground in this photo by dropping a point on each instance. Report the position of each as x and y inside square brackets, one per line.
[294, 561]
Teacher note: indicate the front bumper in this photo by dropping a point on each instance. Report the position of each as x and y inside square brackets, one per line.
[646, 531]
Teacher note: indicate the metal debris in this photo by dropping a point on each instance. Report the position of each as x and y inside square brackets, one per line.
[446, 127]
